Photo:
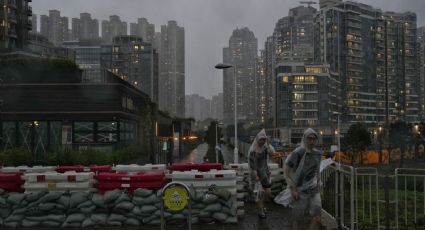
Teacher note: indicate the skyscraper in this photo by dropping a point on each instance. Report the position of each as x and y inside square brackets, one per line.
[113, 27]
[143, 29]
[373, 53]
[15, 23]
[88, 27]
[217, 106]
[242, 54]
[136, 61]
[44, 25]
[75, 29]
[421, 67]
[171, 47]
[56, 27]
[293, 35]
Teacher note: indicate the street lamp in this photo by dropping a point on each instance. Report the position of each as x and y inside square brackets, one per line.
[227, 66]
[216, 141]
[338, 132]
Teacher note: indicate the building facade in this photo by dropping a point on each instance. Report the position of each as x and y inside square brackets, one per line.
[171, 49]
[421, 68]
[307, 95]
[112, 28]
[15, 23]
[373, 53]
[85, 27]
[242, 54]
[143, 29]
[136, 62]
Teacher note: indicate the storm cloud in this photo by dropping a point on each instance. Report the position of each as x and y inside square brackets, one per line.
[208, 25]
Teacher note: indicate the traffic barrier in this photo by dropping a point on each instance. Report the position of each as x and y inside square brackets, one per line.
[58, 177]
[204, 167]
[203, 180]
[130, 181]
[11, 182]
[80, 168]
[26, 169]
[140, 168]
[54, 181]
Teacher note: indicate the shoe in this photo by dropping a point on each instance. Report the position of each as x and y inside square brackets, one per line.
[262, 215]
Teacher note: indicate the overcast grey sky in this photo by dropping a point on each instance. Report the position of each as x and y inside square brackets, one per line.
[208, 25]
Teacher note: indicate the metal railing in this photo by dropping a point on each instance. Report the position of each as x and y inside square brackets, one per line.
[361, 198]
[338, 197]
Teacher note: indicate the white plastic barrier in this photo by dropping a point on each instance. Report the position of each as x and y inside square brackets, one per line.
[140, 168]
[54, 181]
[26, 169]
[203, 180]
[59, 177]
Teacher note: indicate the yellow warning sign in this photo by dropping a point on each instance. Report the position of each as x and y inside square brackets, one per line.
[175, 198]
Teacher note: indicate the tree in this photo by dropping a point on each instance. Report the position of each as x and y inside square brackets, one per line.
[357, 140]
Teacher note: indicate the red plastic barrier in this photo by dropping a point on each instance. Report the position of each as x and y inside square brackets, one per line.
[11, 182]
[205, 167]
[101, 168]
[66, 168]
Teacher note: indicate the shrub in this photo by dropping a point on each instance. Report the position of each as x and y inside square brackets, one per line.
[15, 157]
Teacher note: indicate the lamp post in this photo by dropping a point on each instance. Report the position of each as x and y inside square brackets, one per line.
[216, 141]
[339, 137]
[227, 66]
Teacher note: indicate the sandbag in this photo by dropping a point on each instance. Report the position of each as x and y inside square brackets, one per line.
[114, 223]
[222, 193]
[99, 218]
[152, 199]
[64, 201]
[98, 200]
[148, 209]
[204, 214]
[88, 203]
[209, 198]
[88, 210]
[3, 203]
[199, 206]
[213, 208]
[88, 223]
[28, 223]
[139, 201]
[132, 222]
[112, 196]
[19, 211]
[199, 197]
[16, 198]
[231, 220]
[71, 225]
[77, 198]
[12, 224]
[14, 218]
[125, 206]
[122, 198]
[46, 207]
[52, 224]
[75, 218]
[136, 211]
[154, 222]
[140, 192]
[116, 217]
[31, 197]
[5, 212]
[50, 197]
[221, 217]
[178, 216]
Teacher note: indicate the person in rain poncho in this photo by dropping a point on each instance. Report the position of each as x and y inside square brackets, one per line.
[302, 168]
[260, 183]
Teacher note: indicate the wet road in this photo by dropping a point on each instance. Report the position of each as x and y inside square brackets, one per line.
[197, 155]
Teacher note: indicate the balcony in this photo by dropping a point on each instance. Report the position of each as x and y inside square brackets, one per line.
[12, 34]
[12, 18]
[12, 4]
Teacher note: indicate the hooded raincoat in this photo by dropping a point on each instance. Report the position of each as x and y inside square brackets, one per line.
[258, 161]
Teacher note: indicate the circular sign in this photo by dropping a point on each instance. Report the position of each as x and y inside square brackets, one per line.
[175, 198]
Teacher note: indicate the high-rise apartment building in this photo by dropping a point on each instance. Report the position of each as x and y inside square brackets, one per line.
[171, 49]
[136, 61]
[55, 27]
[198, 107]
[293, 35]
[143, 29]
[15, 23]
[374, 54]
[242, 54]
[217, 107]
[112, 28]
[75, 28]
[86, 27]
[307, 96]
[421, 68]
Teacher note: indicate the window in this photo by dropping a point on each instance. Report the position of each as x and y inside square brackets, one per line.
[285, 79]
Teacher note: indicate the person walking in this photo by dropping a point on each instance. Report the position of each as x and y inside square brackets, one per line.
[260, 182]
[302, 174]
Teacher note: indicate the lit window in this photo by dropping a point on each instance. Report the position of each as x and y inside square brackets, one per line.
[285, 79]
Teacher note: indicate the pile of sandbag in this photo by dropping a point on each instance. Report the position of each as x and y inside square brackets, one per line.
[59, 209]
